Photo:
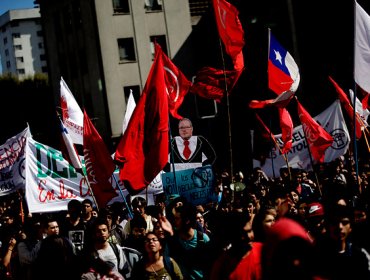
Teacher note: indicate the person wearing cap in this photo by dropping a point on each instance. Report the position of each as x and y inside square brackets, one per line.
[289, 252]
[315, 220]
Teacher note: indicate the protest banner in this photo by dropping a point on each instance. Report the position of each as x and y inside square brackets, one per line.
[196, 185]
[298, 157]
[12, 156]
[52, 182]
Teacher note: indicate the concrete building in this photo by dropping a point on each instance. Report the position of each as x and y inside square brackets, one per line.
[21, 43]
[104, 48]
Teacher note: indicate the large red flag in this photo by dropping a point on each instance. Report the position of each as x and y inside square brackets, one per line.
[286, 125]
[177, 85]
[344, 100]
[143, 149]
[318, 139]
[210, 82]
[99, 163]
[230, 31]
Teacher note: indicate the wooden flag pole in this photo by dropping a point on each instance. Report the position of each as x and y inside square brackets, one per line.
[311, 160]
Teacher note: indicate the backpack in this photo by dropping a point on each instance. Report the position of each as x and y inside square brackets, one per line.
[131, 256]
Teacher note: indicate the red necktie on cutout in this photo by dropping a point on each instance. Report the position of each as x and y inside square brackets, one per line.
[186, 151]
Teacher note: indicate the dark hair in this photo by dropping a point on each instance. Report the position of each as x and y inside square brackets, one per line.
[74, 205]
[138, 201]
[188, 213]
[99, 221]
[138, 221]
[87, 201]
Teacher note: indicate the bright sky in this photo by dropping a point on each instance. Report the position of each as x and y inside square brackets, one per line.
[6, 5]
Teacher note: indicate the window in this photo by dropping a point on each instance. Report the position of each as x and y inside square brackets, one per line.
[18, 47]
[153, 5]
[121, 7]
[44, 69]
[126, 50]
[5, 40]
[42, 57]
[8, 64]
[39, 33]
[161, 40]
[41, 45]
[7, 52]
[21, 71]
[3, 29]
[16, 35]
[19, 59]
[14, 23]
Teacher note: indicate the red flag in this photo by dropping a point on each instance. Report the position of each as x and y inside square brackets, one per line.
[143, 149]
[210, 82]
[99, 163]
[262, 141]
[286, 125]
[317, 138]
[177, 85]
[230, 31]
[347, 105]
[281, 101]
[365, 102]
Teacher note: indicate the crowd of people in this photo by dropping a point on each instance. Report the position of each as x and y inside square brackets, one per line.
[301, 225]
[297, 226]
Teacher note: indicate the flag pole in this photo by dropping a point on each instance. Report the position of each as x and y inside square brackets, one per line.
[310, 155]
[354, 98]
[91, 191]
[123, 197]
[172, 158]
[228, 117]
[82, 171]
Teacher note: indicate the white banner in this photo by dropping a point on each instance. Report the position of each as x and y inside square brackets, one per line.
[332, 121]
[51, 182]
[12, 156]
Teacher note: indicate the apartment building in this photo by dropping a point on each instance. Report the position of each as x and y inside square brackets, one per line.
[22, 49]
[104, 48]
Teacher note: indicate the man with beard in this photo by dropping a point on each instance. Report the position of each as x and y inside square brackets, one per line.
[121, 259]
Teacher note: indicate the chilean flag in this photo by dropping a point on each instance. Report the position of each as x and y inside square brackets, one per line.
[283, 72]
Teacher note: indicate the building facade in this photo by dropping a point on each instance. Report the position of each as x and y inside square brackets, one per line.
[104, 48]
[21, 43]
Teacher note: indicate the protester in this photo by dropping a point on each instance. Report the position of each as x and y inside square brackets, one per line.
[339, 256]
[56, 251]
[156, 265]
[188, 245]
[139, 208]
[239, 248]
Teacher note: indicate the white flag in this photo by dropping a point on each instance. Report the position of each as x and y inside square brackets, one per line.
[359, 110]
[298, 157]
[130, 107]
[73, 117]
[362, 49]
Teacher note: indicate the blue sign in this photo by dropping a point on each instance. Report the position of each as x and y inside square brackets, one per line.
[196, 185]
